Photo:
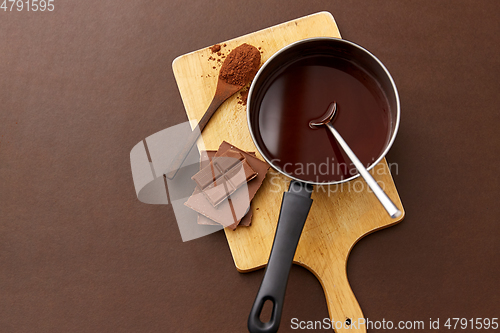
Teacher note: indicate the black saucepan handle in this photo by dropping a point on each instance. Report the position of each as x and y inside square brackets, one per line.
[294, 210]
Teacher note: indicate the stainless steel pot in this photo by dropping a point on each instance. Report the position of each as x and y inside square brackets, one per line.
[297, 201]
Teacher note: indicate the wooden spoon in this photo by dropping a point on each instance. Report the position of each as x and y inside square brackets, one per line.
[238, 69]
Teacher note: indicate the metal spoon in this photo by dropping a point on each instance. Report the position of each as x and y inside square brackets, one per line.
[326, 120]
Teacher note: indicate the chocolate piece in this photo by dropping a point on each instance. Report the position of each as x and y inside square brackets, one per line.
[224, 176]
[259, 166]
[246, 221]
[230, 212]
[205, 159]
[212, 172]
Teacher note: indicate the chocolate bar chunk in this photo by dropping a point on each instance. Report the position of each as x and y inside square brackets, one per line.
[224, 176]
[230, 212]
[246, 221]
[205, 159]
[214, 171]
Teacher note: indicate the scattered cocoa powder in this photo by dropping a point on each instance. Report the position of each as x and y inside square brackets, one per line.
[215, 48]
[241, 65]
[243, 96]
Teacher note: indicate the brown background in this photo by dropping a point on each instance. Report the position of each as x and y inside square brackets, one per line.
[80, 86]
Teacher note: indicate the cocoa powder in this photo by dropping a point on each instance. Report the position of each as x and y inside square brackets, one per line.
[243, 96]
[241, 65]
[215, 48]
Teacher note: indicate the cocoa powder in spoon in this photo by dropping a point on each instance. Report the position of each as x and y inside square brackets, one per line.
[241, 65]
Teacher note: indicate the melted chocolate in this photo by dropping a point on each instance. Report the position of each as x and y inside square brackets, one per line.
[302, 92]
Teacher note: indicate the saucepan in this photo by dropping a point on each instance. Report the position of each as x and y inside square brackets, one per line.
[296, 85]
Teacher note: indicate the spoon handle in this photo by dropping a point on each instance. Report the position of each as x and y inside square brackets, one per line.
[192, 138]
[389, 206]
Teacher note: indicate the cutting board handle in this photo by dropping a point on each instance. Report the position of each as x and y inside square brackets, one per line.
[295, 207]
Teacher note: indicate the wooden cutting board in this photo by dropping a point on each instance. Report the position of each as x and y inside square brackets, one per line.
[340, 215]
